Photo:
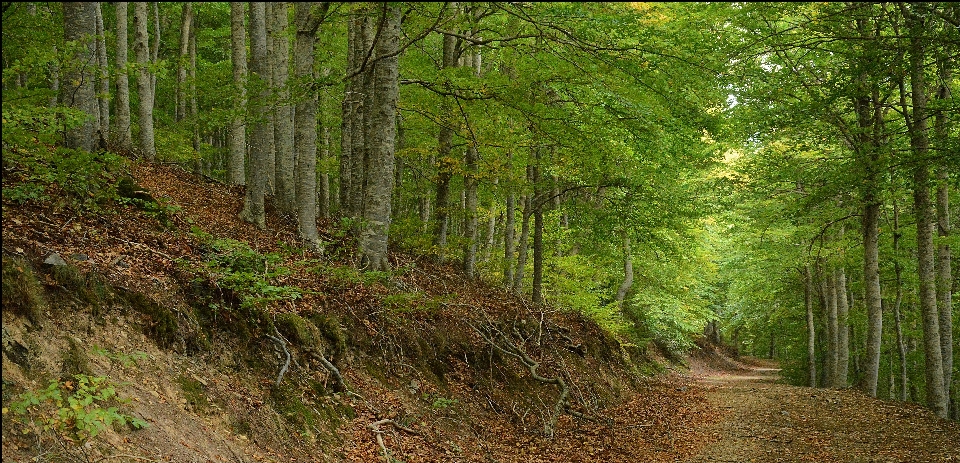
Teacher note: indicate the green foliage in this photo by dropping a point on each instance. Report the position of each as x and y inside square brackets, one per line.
[33, 164]
[123, 359]
[77, 409]
[234, 265]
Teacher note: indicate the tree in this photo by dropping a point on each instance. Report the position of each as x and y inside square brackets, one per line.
[307, 17]
[374, 238]
[103, 80]
[261, 136]
[285, 186]
[124, 134]
[79, 31]
[144, 81]
[238, 127]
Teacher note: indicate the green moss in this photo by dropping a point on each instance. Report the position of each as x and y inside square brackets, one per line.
[162, 323]
[88, 287]
[287, 401]
[195, 393]
[22, 291]
[298, 329]
[330, 331]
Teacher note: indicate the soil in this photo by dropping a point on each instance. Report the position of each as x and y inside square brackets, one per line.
[763, 420]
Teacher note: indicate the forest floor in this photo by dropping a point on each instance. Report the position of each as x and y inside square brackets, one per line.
[763, 420]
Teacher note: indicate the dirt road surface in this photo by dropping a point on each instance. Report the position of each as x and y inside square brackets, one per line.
[766, 421]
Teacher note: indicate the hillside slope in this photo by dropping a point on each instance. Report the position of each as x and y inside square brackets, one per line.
[233, 344]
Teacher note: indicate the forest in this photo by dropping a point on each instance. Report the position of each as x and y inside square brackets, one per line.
[775, 178]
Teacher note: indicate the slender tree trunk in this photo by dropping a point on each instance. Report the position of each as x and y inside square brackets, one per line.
[362, 126]
[470, 211]
[379, 188]
[509, 230]
[627, 282]
[192, 90]
[323, 205]
[445, 162]
[238, 136]
[537, 294]
[253, 206]
[186, 25]
[944, 272]
[843, 329]
[833, 332]
[103, 80]
[901, 346]
[306, 122]
[285, 193]
[524, 241]
[124, 134]
[923, 207]
[144, 82]
[155, 48]
[346, 125]
[811, 328]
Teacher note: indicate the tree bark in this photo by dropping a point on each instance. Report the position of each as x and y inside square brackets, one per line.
[307, 23]
[811, 328]
[123, 131]
[103, 81]
[253, 206]
[186, 25]
[919, 141]
[833, 331]
[470, 211]
[155, 48]
[627, 282]
[362, 101]
[379, 188]
[144, 81]
[523, 244]
[445, 161]
[901, 346]
[843, 329]
[944, 271]
[238, 136]
[509, 230]
[285, 191]
[80, 26]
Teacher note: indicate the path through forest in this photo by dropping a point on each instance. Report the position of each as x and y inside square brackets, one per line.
[765, 421]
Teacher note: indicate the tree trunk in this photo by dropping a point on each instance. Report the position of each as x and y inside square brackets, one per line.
[843, 329]
[285, 193]
[901, 346]
[124, 134]
[833, 331]
[923, 208]
[627, 271]
[192, 93]
[155, 48]
[80, 25]
[509, 241]
[144, 81]
[346, 121]
[944, 272]
[253, 206]
[470, 211]
[306, 122]
[103, 80]
[523, 242]
[186, 25]
[362, 126]
[811, 328]
[379, 188]
[323, 193]
[445, 161]
[238, 136]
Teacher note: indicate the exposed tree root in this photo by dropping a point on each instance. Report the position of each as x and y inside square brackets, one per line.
[282, 344]
[375, 428]
[502, 343]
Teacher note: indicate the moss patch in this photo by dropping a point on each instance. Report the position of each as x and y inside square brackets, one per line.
[22, 291]
[195, 393]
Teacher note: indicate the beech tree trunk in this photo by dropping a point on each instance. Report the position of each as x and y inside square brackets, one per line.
[509, 241]
[144, 81]
[379, 188]
[944, 271]
[523, 244]
[843, 329]
[833, 331]
[811, 328]
[901, 345]
[917, 128]
[470, 210]
[80, 25]
[445, 161]
[186, 25]
[238, 137]
[285, 187]
[103, 80]
[261, 136]
[627, 271]
[307, 23]
[362, 125]
[124, 137]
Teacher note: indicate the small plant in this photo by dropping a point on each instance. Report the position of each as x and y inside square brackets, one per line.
[77, 409]
[120, 358]
[249, 274]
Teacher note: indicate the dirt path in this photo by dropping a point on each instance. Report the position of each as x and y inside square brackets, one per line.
[764, 421]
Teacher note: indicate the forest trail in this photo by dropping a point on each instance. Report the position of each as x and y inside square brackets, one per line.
[763, 420]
